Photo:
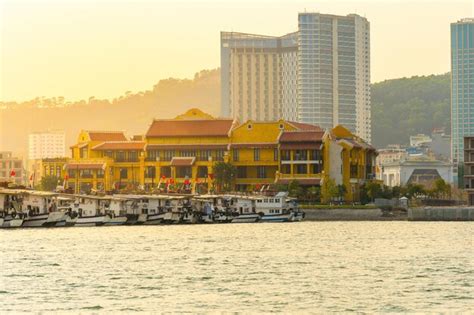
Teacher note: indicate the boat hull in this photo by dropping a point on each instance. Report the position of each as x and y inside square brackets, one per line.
[9, 222]
[277, 217]
[119, 220]
[35, 220]
[246, 218]
[92, 220]
[154, 219]
[55, 218]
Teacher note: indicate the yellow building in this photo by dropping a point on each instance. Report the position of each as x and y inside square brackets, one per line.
[351, 161]
[180, 154]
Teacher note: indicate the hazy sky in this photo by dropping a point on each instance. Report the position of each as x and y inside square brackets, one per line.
[102, 48]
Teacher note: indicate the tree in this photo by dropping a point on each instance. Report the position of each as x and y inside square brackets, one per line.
[224, 174]
[314, 193]
[295, 189]
[415, 190]
[374, 190]
[49, 183]
[328, 190]
[441, 189]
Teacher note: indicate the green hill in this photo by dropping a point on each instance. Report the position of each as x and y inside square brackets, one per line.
[408, 106]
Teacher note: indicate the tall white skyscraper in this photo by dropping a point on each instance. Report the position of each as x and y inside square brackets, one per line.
[319, 74]
[48, 144]
[334, 71]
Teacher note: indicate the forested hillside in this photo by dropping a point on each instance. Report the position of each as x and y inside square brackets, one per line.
[132, 112]
[404, 107]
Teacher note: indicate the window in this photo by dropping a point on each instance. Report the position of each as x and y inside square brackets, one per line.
[188, 153]
[315, 155]
[315, 168]
[285, 169]
[219, 155]
[301, 155]
[123, 173]
[100, 173]
[301, 168]
[261, 172]
[109, 154]
[275, 154]
[150, 172]
[256, 154]
[241, 172]
[133, 156]
[120, 156]
[204, 155]
[165, 171]
[285, 155]
[202, 171]
[183, 171]
[235, 155]
[168, 155]
[85, 174]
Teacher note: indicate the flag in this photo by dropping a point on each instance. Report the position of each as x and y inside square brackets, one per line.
[66, 177]
[12, 173]
[31, 177]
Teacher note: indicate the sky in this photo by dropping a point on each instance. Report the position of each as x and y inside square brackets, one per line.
[103, 48]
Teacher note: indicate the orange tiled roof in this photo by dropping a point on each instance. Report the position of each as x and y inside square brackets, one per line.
[182, 161]
[120, 145]
[107, 136]
[304, 126]
[190, 128]
[302, 136]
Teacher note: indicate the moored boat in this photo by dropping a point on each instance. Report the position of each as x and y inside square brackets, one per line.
[243, 209]
[90, 210]
[11, 208]
[275, 208]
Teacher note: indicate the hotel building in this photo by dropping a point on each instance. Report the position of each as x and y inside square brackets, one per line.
[318, 75]
[462, 89]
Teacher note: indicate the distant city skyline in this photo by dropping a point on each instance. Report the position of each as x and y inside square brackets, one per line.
[78, 49]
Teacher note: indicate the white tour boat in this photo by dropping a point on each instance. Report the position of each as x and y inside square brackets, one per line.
[243, 209]
[152, 210]
[274, 208]
[11, 208]
[90, 210]
[116, 209]
[40, 209]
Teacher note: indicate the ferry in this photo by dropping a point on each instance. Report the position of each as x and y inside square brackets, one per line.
[175, 208]
[116, 210]
[152, 210]
[90, 210]
[11, 208]
[274, 208]
[40, 209]
[243, 209]
[64, 203]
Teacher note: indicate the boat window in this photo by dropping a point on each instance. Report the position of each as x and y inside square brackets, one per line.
[277, 200]
[265, 200]
[259, 200]
[277, 211]
[271, 200]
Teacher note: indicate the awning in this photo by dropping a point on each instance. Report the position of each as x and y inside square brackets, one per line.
[182, 161]
[301, 146]
[301, 181]
[85, 166]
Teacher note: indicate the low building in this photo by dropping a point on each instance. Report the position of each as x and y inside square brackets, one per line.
[11, 168]
[469, 168]
[420, 170]
[184, 150]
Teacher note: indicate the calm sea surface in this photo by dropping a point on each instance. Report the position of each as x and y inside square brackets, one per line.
[297, 267]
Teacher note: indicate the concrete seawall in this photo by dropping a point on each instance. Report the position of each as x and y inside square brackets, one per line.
[351, 215]
[441, 214]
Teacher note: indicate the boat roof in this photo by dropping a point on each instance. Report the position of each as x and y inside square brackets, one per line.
[7, 191]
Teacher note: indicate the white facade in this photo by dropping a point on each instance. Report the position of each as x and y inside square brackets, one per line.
[416, 171]
[49, 144]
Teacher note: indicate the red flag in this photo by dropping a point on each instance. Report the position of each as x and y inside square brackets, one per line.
[12, 173]
[66, 177]
[211, 176]
[186, 181]
[163, 177]
[31, 177]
